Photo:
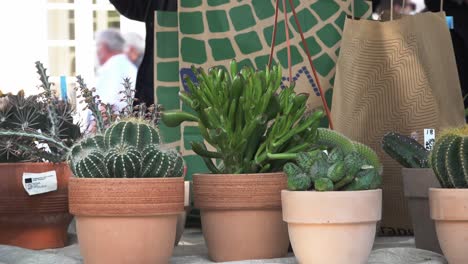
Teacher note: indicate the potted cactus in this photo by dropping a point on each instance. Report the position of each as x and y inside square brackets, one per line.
[333, 201]
[449, 204]
[418, 177]
[126, 195]
[251, 128]
[35, 134]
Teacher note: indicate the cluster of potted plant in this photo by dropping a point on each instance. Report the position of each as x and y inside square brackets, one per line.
[333, 201]
[252, 129]
[35, 135]
[449, 204]
[418, 178]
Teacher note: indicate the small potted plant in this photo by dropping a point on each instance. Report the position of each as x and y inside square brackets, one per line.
[126, 195]
[35, 135]
[449, 204]
[251, 129]
[333, 201]
[418, 177]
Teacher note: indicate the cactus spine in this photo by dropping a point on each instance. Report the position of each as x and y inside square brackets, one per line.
[349, 166]
[449, 158]
[407, 151]
[128, 149]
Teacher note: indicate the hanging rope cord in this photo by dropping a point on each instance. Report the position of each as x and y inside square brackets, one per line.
[306, 48]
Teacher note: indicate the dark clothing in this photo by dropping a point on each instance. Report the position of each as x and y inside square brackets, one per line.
[143, 10]
[459, 36]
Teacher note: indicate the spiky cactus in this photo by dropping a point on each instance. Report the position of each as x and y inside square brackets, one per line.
[407, 151]
[349, 166]
[449, 158]
[36, 128]
[128, 149]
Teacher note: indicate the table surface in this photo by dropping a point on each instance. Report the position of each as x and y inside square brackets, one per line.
[192, 249]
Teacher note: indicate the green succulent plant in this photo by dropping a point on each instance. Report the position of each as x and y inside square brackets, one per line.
[38, 127]
[348, 166]
[251, 124]
[127, 149]
[449, 158]
[407, 151]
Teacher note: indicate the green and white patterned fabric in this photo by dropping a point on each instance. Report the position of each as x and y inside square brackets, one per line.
[212, 32]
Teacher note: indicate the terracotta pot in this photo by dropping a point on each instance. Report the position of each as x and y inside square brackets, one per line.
[126, 221]
[241, 215]
[332, 227]
[182, 218]
[35, 222]
[449, 209]
[416, 183]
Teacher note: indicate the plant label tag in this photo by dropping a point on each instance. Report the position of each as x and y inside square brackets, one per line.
[37, 183]
[429, 138]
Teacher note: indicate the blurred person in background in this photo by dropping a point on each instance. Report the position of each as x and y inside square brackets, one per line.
[143, 10]
[134, 48]
[114, 67]
[458, 9]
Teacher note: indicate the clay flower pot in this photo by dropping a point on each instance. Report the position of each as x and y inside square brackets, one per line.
[332, 227]
[241, 215]
[126, 221]
[38, 221]
[449, 209]
[416, 183]
[182, 218]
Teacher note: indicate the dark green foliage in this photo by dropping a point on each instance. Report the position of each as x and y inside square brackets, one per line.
[253, 126]
[36, 128]
[449, 158]
[354, 167]
[407, 151]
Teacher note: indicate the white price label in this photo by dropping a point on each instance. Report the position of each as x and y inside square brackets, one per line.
[429, 138]
[37, 183]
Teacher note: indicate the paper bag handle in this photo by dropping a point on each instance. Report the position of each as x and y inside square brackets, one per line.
[391, 9]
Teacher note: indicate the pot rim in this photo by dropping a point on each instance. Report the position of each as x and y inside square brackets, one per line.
[312, 207]
[35, 164]
[280, 173]
[74, 178]
[448, 204]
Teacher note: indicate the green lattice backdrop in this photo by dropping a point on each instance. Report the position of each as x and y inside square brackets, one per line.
[211, 32]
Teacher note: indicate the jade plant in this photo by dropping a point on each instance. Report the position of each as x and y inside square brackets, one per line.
[405, 150]
[38, 127]
[348, 166]
[449, 158]
[250, 123]
[127, 149]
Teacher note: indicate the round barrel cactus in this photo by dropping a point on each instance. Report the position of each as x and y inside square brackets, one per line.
[449, 158]
[134, 132]
[128, 149]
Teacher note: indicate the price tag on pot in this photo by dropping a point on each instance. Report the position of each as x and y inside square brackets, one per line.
[429, 138]
[37, 183]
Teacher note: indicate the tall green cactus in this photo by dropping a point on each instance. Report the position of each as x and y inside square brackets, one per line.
[128, 149]
[407, 151]
[449, 158]
[349, 166]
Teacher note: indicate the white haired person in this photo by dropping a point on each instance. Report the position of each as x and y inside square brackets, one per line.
[134, 48]
[114, 67]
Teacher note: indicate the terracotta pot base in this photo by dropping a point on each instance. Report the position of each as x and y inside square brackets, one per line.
[449, 209]
[332, 227]
[244, 234]
[142, 240]
[241, 215]
[34, 222]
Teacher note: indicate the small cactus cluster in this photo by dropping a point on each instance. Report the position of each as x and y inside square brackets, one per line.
[38, 127]
[449, 158]
[349, 166]
[128, 149]
[407, 151]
